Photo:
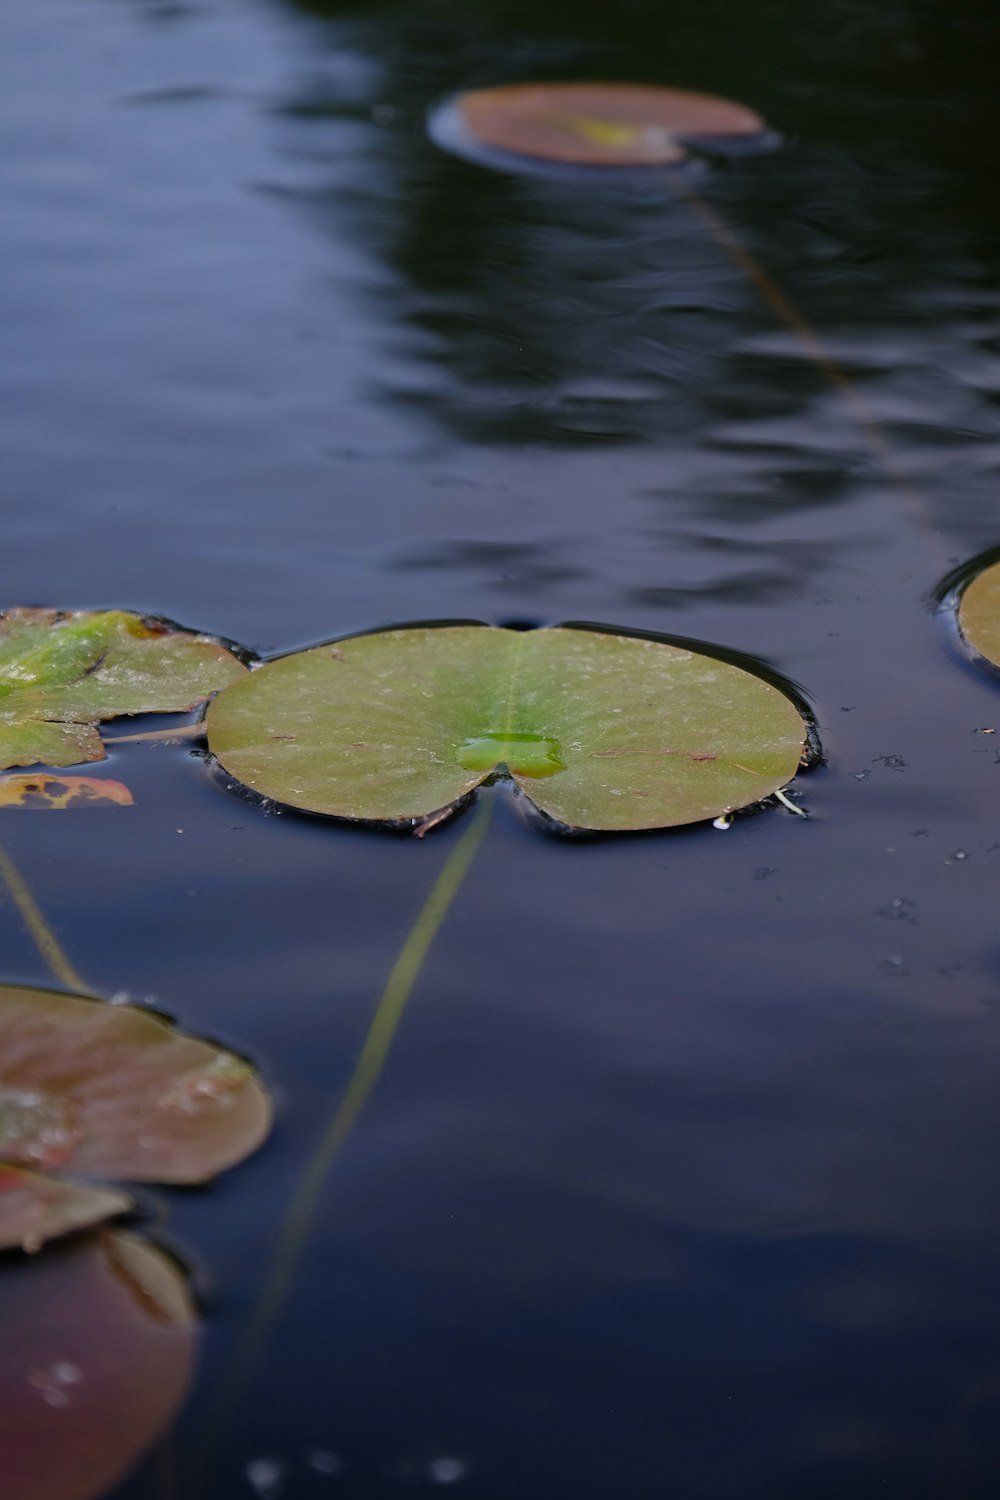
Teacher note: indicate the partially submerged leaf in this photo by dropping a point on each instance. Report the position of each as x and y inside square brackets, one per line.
[97, 1353]
[602, 731]
[114, 1091]
[979, 613]
[35, 1208]
[593, 124]
[60, 674]
[56, 792]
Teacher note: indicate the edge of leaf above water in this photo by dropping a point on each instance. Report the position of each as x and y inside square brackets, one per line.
[969, 598]
[595, 129]
[111, 1093]
[64, 672]
[328, 724]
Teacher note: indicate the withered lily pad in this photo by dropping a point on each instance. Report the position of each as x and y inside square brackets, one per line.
[53, 793]
[979, 613]
[35, 1208]
[97, 1353]
[601, 731]
[61, 674]
[592, 125]
[114, 1091]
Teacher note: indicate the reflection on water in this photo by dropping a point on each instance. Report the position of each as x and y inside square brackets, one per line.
[681, 1176]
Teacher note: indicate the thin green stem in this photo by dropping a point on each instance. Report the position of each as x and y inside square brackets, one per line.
[371, 1061]
[39, 930]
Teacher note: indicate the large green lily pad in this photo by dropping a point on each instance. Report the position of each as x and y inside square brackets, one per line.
[117, 1092]
[601, 731]
[97, 1353]
[979, 613]
[61, 674]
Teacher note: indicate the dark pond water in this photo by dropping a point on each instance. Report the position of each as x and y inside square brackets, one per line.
[681, 1179]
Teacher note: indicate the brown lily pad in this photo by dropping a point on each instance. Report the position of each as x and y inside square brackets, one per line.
[53, 793]
[97, 1353]
[35, 1208]
[117, 1092]
[600, 124]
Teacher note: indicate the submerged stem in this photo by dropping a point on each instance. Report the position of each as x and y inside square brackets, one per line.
[367, 1071]
[785, 310]
[39, 930]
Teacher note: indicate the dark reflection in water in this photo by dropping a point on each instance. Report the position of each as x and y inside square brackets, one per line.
[681, 1177]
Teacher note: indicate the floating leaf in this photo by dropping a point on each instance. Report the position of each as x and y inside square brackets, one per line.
[979, 613]
[592, 124]
[97, 1353]
[60, 674]
[62, 791]
[115, 1091]
[35, 1208]
[602, 731]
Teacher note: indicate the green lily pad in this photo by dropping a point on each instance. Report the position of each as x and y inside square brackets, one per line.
[591, 125]
[60, 674]
[97, 1353]
[117, 1092]
[979, 613]
[35, 1208]
[601, 731]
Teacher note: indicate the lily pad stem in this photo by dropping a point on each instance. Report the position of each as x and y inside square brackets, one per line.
[305, 1201]
[768, 290]
[39, 930]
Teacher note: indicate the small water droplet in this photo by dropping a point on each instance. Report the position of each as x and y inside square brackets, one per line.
[52, 1382]
[37, 1129]
[266, 1477]
[447, 1469]
[211, 1087]
[322, 1461]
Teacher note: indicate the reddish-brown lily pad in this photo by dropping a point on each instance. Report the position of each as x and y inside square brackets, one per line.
[35, 1208]
[595, 124]
[97, 1353]
[117, 1092]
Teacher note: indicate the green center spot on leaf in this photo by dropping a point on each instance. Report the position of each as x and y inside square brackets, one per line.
[523, 754]
[601, 731]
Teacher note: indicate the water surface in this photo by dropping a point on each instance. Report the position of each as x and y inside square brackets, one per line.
[681, 1179]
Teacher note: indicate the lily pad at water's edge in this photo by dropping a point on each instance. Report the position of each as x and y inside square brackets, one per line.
[55, 793]
[601, 731]
[97, 1353]
[979, 613]
[113, 1091]
[61, 674]
[591, 126]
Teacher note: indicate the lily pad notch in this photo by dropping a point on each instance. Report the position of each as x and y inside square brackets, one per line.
[601, 731]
